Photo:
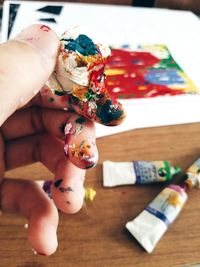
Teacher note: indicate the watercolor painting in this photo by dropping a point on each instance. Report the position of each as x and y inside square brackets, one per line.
[148, 71]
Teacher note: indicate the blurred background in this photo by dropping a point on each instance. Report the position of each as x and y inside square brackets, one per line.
[193, 5]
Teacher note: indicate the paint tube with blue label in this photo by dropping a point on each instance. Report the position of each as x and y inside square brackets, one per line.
[151, 224]
[137, 172]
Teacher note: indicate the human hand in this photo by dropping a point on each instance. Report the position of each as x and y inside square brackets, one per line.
[31, 130]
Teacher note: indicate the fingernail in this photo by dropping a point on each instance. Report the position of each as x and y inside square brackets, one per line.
[41, 254]
[40, 37]
[85, 151]
[38, 253]
[51, 243]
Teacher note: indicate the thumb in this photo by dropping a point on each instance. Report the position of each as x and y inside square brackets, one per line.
[26, 63]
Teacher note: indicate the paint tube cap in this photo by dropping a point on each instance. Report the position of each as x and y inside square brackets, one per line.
[193, 180]
[174, 170]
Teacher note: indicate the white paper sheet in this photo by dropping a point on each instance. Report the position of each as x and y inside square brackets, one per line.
[117, 25]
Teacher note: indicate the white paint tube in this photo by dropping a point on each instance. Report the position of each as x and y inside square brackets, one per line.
[151, 224]
[137, 172]
[193, 175]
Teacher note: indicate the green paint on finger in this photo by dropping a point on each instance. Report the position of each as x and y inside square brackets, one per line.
[51, 99]
[80, 120]
[108, 112]
[58, 182]
[59, 93]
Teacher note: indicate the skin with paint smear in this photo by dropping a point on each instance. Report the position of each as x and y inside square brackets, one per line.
[37, 124]
[79, 81]
[79, 74]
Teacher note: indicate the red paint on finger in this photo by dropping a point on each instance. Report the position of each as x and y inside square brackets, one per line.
[45, 28]
[64, 98]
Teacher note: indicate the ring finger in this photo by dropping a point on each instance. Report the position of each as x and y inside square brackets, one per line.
[68, 190]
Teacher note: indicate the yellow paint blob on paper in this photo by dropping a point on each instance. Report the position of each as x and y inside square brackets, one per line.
[190, 85]
[111, 83]
[112, 72]
[142, 87]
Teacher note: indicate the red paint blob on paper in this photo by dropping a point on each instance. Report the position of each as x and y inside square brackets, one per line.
[125, 75]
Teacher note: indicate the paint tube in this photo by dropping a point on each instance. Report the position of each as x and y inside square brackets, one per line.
[193, 175]
[151, 224]
[137, 172]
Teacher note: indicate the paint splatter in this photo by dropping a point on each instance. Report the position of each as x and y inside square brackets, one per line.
[51, 99]
[90, 194]
[86, 153]
[65, 190]
[78, 129]
[66, 148]
[47, 187]
[59, 93]
[83, 44]
[58, 182]
[45, 28]
[82, 150]
[86, 89]
[108, 112]
[80, 120]
[67, 129]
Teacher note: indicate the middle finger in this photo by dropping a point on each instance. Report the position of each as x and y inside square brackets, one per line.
[79, 133]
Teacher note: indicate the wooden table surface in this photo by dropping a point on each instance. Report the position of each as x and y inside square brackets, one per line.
[96, 236]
